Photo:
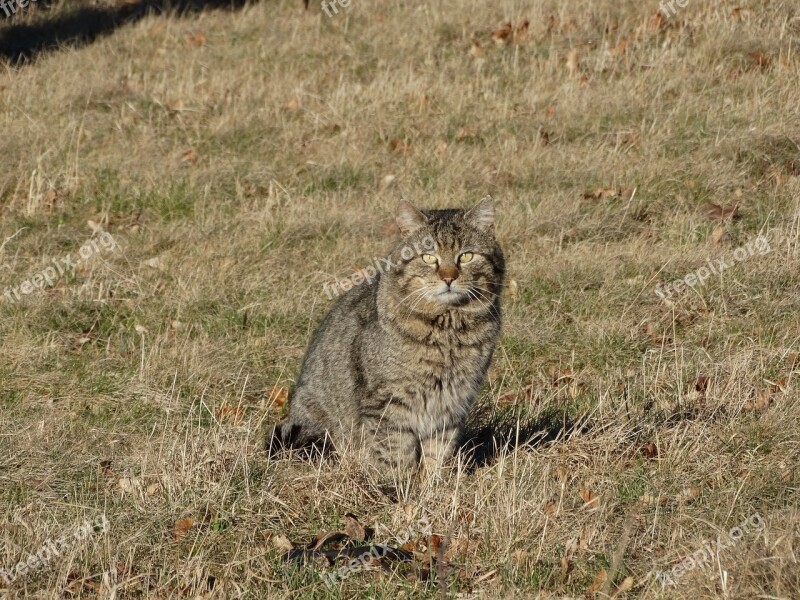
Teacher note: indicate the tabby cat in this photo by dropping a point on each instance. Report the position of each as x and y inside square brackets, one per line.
[399, 360]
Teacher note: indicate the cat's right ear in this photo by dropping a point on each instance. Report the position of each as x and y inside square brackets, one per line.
[409, 218]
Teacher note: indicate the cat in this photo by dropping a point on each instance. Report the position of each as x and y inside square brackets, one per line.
[398, 362]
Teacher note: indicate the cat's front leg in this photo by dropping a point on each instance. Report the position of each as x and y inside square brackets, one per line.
[439, 448]
[392, 448]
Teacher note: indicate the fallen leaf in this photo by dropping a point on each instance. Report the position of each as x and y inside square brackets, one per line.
[195, 39]
[278, 396]
[650, 450]
[399, 146]
[511, 288]
[227, 412]
[353, 528]
[386, 181]
[466, 133]
[715, 211]
[572, 61]
[717, 234]
[590, 499]
[152, 489]
[281, 543]
[600, 194]
[182, 527]
[503, 35]
[475, 50]
[598, 582]
[760, 59]
[688, 495]
[794, 360]
[189, 156]
[650, 500]
[624, 587]
[700, 383]
[550, 508]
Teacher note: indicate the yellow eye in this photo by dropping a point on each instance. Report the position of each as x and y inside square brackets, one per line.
[466, 257]
[429, 258]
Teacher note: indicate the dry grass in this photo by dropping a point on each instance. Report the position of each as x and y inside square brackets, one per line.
[241, 170]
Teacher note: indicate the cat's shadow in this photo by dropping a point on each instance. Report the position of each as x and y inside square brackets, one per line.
[483, 441]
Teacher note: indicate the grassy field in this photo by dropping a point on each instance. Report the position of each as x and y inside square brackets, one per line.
[229, 162]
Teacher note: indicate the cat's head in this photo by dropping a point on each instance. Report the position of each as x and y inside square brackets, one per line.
[447, 258]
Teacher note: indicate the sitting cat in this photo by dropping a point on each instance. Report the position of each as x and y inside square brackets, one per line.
[398, 362]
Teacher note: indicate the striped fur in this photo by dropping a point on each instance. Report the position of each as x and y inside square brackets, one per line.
[398, 362]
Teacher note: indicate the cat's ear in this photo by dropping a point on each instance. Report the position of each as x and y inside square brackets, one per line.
[409, 219]
[481, 216]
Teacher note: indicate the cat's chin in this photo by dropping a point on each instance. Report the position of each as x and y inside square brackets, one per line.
[451, 298]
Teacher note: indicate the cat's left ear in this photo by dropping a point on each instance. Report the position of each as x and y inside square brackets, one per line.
[481, 216]
[409, 218]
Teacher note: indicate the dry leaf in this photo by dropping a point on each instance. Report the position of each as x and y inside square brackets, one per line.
[234, 414]
[466, 133]
[386, 181]
[182, 527]
[550, 508]
[599, 580]
[475, 50]
[281, 543]
[760, 59]
[600, 194]
[794, 360]
[624, 587]
[278, 396]
[572, 61]
[717, 234]
[715, 211]
[650, 450]
[152, 489]
[399, 146]
[196, 39]
[511, 288]
[189, 156]
[353, 528]
[650, 500]
[503, 35]
[590, 499]
[688, 495]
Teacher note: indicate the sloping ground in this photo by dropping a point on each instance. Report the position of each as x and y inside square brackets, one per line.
[227, 161]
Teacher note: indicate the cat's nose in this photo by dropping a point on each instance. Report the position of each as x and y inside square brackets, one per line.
[448, 274]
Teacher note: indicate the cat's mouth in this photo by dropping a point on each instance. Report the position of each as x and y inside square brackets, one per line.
[452, 297]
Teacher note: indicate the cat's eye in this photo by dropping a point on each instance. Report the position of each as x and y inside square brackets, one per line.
[429, 259]
[466, 257]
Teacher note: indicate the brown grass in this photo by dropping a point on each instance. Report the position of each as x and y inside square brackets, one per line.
[241, 169]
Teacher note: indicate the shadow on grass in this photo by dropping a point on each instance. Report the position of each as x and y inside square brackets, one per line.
[22, 43]
[482, 443]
